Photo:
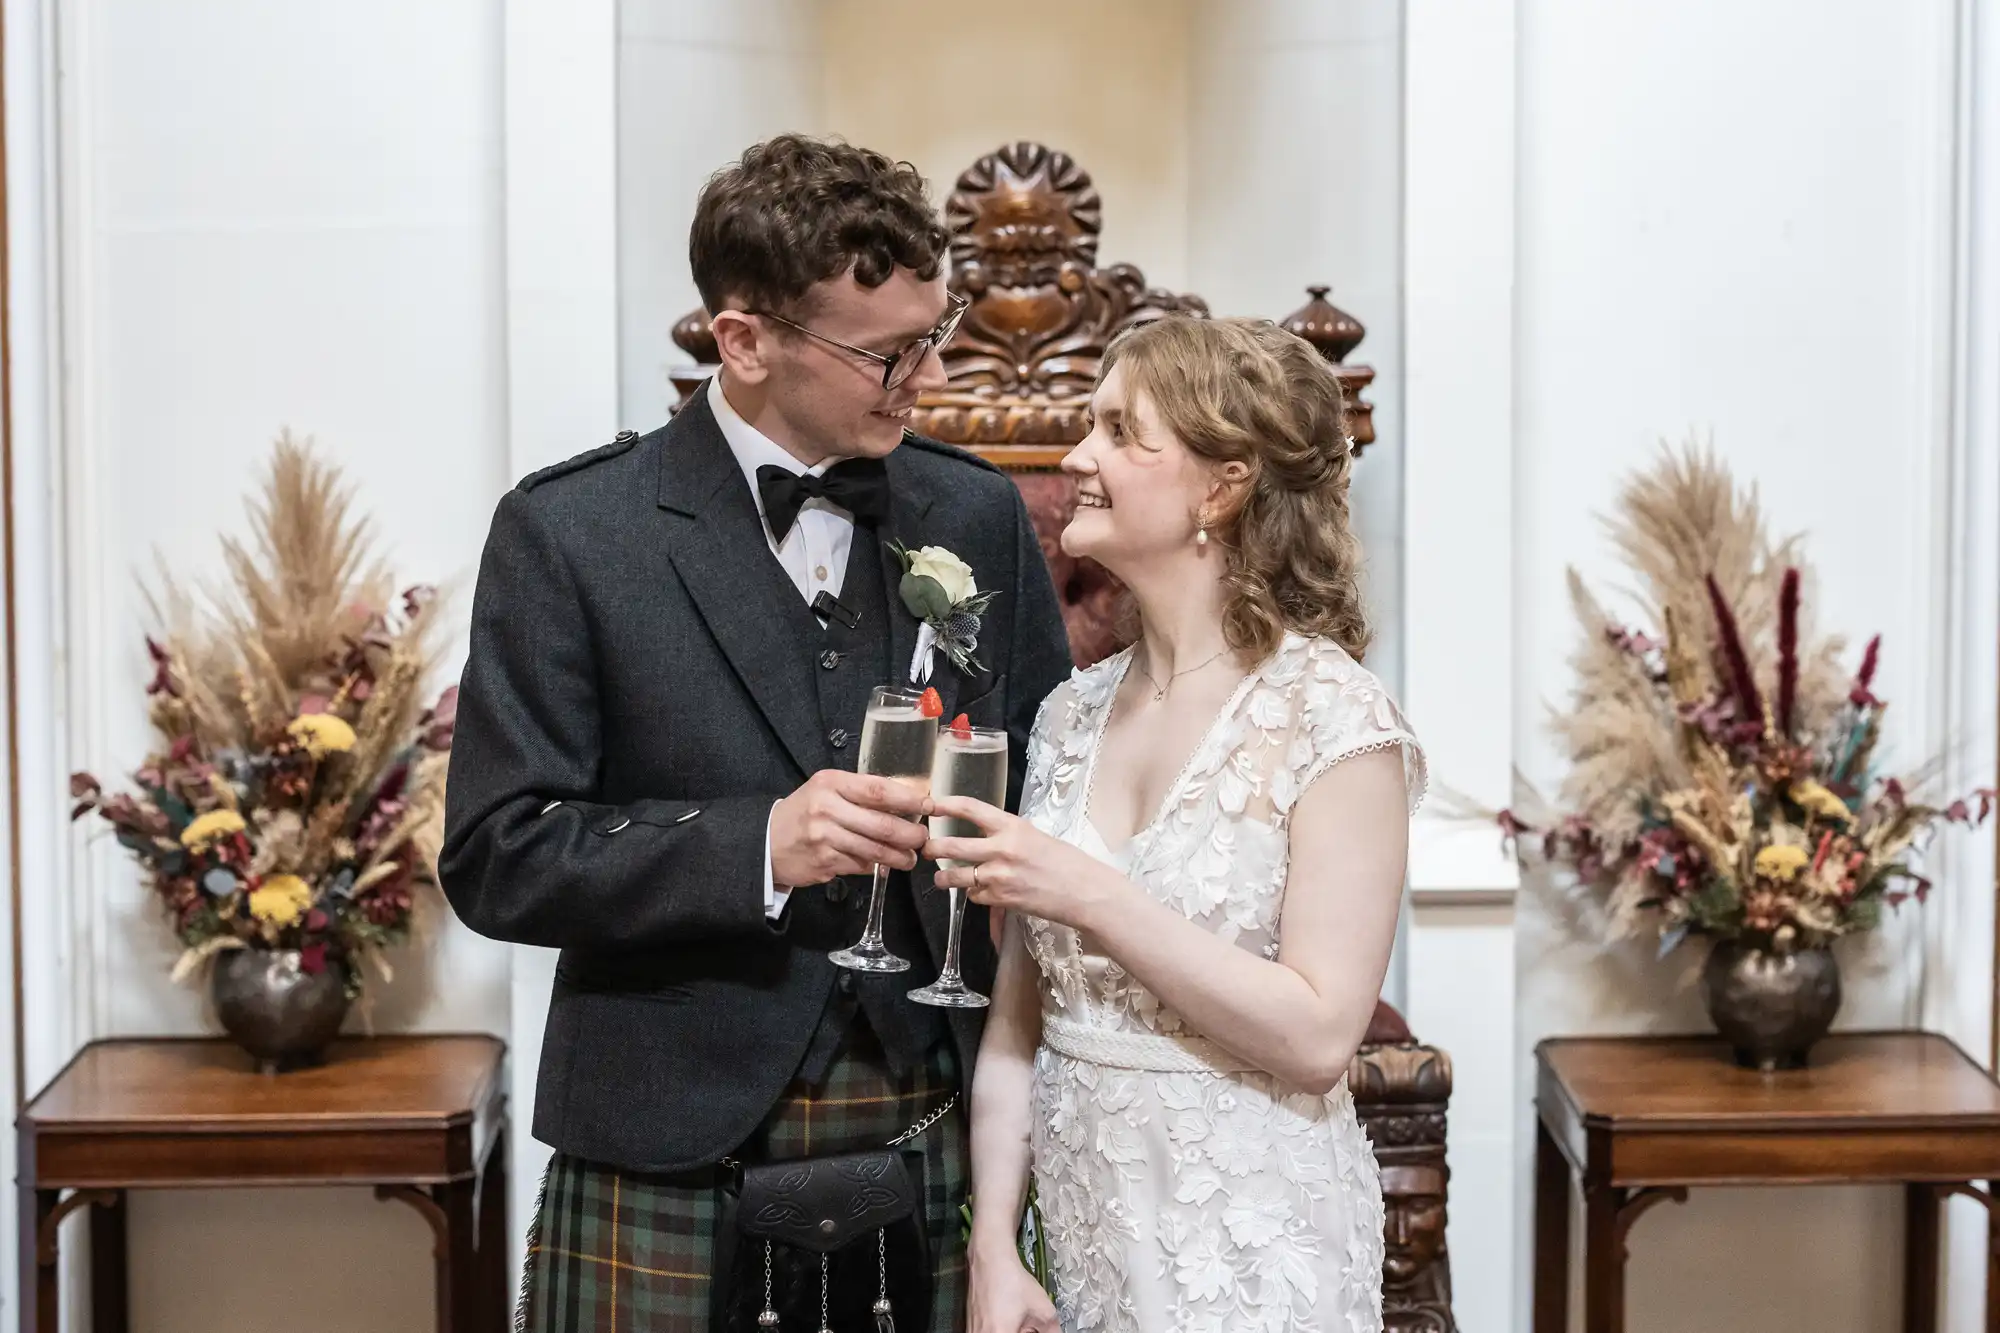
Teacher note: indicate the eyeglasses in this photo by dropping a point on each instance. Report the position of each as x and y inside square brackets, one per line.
[899, 365]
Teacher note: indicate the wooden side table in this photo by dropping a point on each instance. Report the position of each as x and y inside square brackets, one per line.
[422, 1119]
[1639, 1120]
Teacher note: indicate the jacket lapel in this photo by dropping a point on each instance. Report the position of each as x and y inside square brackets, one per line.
[718, 547]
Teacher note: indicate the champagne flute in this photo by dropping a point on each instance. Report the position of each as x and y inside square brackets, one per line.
[897, 742]
[969, 763]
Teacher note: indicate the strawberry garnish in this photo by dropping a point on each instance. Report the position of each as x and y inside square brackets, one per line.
[931, 705]
[961, 727]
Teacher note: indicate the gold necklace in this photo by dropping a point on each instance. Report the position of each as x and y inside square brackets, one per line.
[1160, 691]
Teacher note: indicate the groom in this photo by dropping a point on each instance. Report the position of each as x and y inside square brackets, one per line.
[673, 642]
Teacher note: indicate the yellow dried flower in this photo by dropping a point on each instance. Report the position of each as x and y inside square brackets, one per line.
[281, 900]
[1815, 799]
[321, 734]
[205, 829]
[1781, 863]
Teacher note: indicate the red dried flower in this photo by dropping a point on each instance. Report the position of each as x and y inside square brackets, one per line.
[1736, 663]
[1763, 911]
[163, 676]
[1860, 696]
[388, 906]
[437, 724]
[1788, 649]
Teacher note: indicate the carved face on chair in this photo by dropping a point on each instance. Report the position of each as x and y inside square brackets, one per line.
[1413, 1233]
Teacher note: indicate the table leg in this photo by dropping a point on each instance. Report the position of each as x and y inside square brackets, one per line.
[1603, 1260]
[109, 1301]
[40, 1295]
[1920, 1258]
[458, 1303]
[1993, 1256]
[449, 1211]
[493, 1237]
[1552, 1205]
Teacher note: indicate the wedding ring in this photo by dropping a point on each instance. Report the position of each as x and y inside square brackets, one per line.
[975, 878]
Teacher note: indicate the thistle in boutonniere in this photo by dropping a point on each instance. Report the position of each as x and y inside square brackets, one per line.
[939, 590]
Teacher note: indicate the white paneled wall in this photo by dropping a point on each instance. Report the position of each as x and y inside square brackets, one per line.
[329, 264]
[697, 83]
[449, 240]
[1767, 262]
[269, 217]
[1107, 82]
[1295, 160]
[1458, 596]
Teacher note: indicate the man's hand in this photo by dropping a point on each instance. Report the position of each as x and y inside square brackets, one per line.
[842, 823]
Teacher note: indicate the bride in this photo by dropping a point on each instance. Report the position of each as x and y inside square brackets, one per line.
[1202, 888]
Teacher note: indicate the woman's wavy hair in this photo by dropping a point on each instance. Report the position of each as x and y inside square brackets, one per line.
[1239, 390]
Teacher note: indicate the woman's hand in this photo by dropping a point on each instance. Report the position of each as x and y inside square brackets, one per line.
[1002, 1296]
[1018, 868]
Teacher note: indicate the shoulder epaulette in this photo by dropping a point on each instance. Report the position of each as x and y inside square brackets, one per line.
[913, 440]
[626, 439]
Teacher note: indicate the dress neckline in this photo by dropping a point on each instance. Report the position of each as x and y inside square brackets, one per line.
[1171, 796]
[1090, 840]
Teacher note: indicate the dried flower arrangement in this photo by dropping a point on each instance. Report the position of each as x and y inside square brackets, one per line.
[1723, 776]
[295, 797]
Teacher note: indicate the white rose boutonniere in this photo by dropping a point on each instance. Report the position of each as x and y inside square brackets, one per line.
[940, 591]
[944, 569]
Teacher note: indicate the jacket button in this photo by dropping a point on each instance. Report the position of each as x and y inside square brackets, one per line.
[826, 1227]
[847, 983]
[837, 891]
[837, 738]
[829, 659]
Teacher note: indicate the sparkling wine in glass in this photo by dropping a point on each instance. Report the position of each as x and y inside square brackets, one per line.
[897, 742]
[969, 763]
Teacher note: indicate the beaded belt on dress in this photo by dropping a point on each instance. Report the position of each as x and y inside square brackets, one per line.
[1137, 1050]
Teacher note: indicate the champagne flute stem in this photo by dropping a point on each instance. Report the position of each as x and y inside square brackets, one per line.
[877, 895]
[948, 974]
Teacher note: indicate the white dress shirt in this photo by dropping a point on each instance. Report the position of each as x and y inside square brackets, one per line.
[814, 553]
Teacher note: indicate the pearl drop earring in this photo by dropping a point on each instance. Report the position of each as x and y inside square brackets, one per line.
[1201, 536]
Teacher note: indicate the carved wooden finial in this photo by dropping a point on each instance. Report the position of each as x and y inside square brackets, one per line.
[1326, 326]
[692, 334]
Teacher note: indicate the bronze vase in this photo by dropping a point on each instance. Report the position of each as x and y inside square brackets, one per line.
[1770, 1007]
[282, 1015]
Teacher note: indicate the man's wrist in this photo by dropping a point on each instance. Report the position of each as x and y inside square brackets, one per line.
[776, 895]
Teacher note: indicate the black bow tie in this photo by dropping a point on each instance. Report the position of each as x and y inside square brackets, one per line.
[858, 485]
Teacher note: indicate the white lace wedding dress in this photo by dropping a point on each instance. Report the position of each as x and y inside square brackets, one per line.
[1181, 1190]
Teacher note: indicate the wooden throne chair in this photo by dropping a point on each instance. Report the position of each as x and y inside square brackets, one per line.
[1025, 222]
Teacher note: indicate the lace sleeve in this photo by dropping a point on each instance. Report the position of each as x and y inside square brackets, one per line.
[1042, 748]
[1348, 712]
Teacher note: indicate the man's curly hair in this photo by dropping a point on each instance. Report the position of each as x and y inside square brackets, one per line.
[795, 211]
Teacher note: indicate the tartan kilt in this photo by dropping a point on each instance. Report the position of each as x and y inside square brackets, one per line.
[628, 1252]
